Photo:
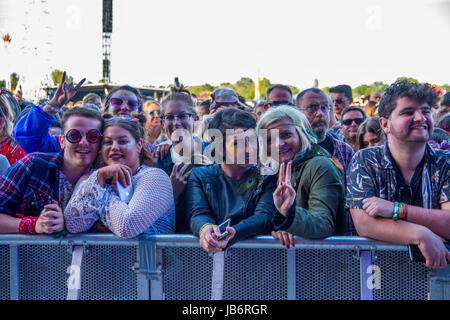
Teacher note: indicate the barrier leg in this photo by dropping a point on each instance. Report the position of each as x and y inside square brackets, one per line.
[217, 276]
[440, 284]
[365, 258]
[291, 274]
[75, 271]
[14, 272]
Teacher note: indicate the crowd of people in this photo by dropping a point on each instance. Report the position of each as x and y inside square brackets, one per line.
[313, 165]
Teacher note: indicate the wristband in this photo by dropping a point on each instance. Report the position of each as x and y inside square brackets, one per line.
[396, 210]
[203, 226]
[27, 225]
[402, 214]
[52, 108]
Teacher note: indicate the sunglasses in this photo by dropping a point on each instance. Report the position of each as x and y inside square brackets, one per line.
[155, 113]
[75, 136]
[338, 101]
[117, 102]
[275, 104]
[348, 122]
[181, 117]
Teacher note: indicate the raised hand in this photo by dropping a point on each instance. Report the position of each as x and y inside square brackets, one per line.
[284, 194]
[64, 92]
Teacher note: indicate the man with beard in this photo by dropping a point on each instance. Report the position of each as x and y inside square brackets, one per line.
[400, 192]
[314, 104]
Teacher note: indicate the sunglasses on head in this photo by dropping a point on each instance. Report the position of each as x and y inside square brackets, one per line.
[117, 102]
[75, 136]
[348, 122]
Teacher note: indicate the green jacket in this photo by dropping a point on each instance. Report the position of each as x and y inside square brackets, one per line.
[319, 204]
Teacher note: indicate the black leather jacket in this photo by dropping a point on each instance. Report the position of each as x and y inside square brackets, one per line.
[213, 197]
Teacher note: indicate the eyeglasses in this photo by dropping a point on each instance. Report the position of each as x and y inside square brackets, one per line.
[338, 101]
[313, 109]
[348, 122]
[275, 104]
[117, 102]
[75, 136]
[155, 113]
[182, 117]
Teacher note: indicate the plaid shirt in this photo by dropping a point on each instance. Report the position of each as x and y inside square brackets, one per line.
[30, 184]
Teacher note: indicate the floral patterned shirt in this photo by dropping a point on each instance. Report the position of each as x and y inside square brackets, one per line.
[371, 174]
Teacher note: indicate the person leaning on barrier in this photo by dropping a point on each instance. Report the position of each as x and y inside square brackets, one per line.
[151, 208]
[177, 120]
[36, 189]
[32, 129]
[400, 192]
[311, 203]
[232, 187]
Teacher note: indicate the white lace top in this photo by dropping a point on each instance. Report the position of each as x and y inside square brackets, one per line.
[151, 209]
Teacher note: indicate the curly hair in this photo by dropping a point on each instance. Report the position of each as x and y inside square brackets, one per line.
[415, 91]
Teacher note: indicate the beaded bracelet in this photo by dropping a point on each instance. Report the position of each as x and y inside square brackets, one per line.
[396, 210]
[52, 108]
[27, 225]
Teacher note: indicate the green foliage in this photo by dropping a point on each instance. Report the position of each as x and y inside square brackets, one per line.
[14, 77]
[406, 78]
[57, 77]
[2, 84]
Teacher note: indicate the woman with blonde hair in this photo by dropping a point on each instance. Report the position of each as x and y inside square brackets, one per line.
[310, 194]
[152, 110]
[9, 110]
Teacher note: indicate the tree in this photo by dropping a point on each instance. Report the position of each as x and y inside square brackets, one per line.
[57, 77]
[14, 80]
[407, 79]
[2, 84]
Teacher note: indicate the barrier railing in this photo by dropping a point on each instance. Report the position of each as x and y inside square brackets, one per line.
[175, 267]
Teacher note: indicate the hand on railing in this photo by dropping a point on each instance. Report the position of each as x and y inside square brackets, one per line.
[209, 238]
[51, 219]
[285, 238]
[433, 249]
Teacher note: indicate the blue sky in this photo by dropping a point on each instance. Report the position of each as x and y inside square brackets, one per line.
[210, 41]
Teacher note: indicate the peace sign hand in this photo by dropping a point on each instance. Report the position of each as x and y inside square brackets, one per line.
[284, 195]
[64, 92]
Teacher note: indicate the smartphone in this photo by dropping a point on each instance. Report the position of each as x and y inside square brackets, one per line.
[417, 256]
[223, 229]
[125, 193]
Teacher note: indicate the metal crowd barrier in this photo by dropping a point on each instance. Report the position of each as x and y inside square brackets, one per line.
[175, 267]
